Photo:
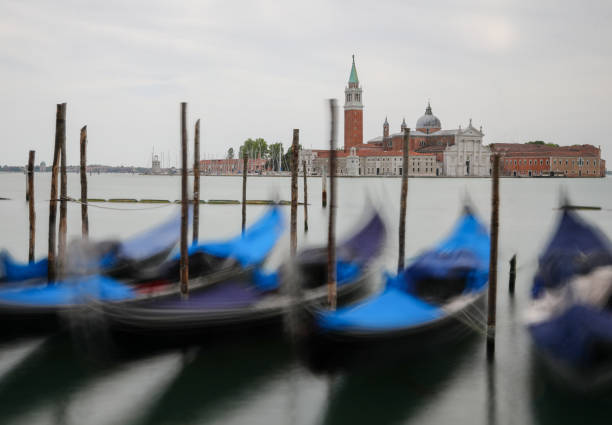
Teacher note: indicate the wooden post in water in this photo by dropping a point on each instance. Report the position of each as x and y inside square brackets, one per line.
[403, 198]
[512, 275]
[60, 127]
[61, 241]
[331, 233]
[305, 197]
[323, 188]
[184, 263]
[492, 300]
[31, 205]
[245, 172]
[196, 184]
[83, 170]
[294, 190]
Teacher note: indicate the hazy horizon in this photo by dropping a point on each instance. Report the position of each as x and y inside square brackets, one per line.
[523, 70]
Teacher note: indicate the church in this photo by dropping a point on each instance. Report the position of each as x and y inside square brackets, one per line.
[433, 151]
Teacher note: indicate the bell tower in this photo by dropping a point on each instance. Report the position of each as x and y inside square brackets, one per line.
[353, 111]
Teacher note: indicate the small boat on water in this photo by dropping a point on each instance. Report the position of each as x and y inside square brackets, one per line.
[44, 306]
[427, 303]
[254, 301]
[570, 319]
[120, 259]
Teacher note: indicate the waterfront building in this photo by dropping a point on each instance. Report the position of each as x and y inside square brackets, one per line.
[429, 145]
[535, 160]
[155, 165]
[234, 166]
[467, 156]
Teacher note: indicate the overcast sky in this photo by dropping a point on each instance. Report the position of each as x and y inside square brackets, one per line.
[523, 69]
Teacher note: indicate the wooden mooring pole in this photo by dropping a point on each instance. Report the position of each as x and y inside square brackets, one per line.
[196, 184]
[184, 263]
[245, 172]
[61, 241]
[60, 126]
[512, 279]
[323, 188]
[294, 191]
[492, 300]
[305, 197]
[403, 198]
[83, 170]
[331, 233]
[32, 216]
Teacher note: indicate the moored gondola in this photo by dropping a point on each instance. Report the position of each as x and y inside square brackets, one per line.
[435, 299]
[44, 306]
[118, 259]
[257, 301]
[570, 319]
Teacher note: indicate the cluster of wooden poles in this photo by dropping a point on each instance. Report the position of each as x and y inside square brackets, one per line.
[56, 263]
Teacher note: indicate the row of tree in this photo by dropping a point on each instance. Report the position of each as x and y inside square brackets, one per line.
[276, 158]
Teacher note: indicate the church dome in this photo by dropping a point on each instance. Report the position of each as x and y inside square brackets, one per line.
[429, 120]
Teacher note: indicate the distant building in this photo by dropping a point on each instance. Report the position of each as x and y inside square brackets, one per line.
[467, 156]
[155, 165]
[535, 160]
[429, 146]
[217, 167]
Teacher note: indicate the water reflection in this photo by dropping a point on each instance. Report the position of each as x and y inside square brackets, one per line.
[219, 376]
[44, 377]
[377, 391]
[554, 403]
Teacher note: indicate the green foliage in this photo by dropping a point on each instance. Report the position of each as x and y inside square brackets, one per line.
[275, 152]
[541, 142]
[287, 158]
[257, 148]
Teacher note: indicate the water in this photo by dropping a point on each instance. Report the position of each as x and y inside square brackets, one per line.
[58, 380]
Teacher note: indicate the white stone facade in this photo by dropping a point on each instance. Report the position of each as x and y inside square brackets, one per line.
[467, 157]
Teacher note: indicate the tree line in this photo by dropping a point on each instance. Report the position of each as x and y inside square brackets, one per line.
[274, 154]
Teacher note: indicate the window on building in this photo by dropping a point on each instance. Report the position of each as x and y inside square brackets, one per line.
[529, 162]
[566, 162]
[547, 162]
[540, 162]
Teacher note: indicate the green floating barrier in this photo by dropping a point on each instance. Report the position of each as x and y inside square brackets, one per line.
[259, 202]
[154, 201]
[93, 200]
[223, 201]
[123, 200]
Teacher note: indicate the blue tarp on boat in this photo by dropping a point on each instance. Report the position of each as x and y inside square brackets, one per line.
[572, 328]
[249, 248]
[576, 248]
[13, 271]
[68, 292]
[465, 253]
[137, 248]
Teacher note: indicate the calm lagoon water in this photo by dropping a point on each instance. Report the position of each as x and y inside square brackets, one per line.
[56, 380]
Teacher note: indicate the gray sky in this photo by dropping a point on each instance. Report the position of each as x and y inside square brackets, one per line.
[523, 69]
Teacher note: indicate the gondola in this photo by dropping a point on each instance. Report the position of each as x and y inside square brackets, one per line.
[259, 301]
[428, 303]
[119, 259]
[570, 319]
[44, 306]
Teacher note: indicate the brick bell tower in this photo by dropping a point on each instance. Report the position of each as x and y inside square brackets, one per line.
[353, 112]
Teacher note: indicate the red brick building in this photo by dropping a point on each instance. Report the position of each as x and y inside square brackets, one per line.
[353, 111]
[533, 160]
[216, 167]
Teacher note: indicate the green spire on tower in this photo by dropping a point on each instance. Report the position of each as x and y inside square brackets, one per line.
[353, 78]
